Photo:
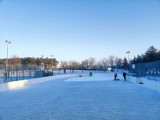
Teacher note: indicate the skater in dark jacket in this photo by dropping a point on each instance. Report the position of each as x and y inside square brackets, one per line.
[124, 75]
[115, 76]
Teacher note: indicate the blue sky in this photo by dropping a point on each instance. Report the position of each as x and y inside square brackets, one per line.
[79, 29]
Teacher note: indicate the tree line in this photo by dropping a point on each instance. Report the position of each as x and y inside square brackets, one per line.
[30, 61]
[91, 64]
[152, 54]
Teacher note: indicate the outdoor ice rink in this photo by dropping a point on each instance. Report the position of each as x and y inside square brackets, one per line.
[81, 98]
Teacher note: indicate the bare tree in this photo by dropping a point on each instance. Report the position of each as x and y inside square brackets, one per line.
[73, 65]
[118, 62]
[85, 64]
[92, 62]
[15, 60]
[64, 65]
[104, 63]
[111, 60]
[89, 63]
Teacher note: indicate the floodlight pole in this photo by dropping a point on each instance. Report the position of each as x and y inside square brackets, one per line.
[52, 60]
[6, 74]
[128, 55]
[128, 59]
[43, 61]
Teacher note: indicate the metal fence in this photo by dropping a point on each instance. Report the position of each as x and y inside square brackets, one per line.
[14, 73]
[151, 70]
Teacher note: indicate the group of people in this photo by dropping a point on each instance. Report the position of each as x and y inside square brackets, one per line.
[124, 76]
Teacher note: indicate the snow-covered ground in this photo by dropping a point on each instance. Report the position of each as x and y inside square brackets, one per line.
[70, 97]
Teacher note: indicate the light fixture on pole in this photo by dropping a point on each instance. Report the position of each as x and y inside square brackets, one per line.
[128, 55]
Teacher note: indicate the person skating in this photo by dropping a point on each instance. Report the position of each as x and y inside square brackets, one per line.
[124, 75]
[115, 76]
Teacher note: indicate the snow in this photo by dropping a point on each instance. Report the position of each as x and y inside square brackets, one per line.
[70, 97]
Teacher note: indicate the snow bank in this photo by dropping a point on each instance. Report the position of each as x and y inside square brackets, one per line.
[17, 84]
[23, 83]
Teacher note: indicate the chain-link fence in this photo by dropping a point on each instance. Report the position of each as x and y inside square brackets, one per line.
[14, 73]
[151, 70]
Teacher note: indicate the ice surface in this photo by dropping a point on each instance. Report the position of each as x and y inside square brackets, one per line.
[82, 98]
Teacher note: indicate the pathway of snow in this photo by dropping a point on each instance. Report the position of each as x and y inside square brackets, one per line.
[81, 98]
